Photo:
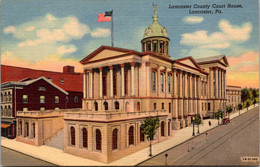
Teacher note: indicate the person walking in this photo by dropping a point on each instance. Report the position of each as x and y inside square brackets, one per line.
[209, 123]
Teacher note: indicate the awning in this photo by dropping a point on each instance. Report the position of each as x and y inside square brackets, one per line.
[5, 125]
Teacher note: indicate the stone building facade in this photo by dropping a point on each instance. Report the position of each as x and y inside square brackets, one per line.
[123, 87]
[233, 96]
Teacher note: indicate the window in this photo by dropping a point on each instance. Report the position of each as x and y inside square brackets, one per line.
[114, 83]
[98, 139]
[25, 98]
[76, 99]
[141, 135]
[1, 97]
[162, 106]
[162, 128]
[33, 131]
[62, 81]
[169, 83]
[117, 105]
[170, 107]
[162, 85]
[96, 106]
[106, 105]
[154, 81]
[155, 47]
[114, 139]
[148, 46]
[131, 135]
[42, 99]
[25, 109]
[161, 47]
[126, 81]
[56, 99]
[9, 96]
[67, 99]
[104, 83]
[42, 109]
[27, 129]
[154, 106]
[169, 128]
[138, 106]
[85, 137]
[41, 88]
[72, 136]
[20, 127]
[57, 108]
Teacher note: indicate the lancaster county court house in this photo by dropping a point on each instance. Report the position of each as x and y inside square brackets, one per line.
[123, 87]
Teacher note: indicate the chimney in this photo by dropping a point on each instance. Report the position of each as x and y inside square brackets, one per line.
[68, 69]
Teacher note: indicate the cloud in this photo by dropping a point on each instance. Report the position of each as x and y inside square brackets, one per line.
[193, 19]
[100, 32]
[31, 28]
[248, 57]
[50, 17]
[10, 30]
[227, 35]
[64, 50]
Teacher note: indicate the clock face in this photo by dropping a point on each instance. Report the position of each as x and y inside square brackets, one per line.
[149, 32]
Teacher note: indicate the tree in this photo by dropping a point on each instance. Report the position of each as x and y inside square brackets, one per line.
[218, 115]
[254, 102]
[239, 106]
[244, 94]
[247, 104]
[149, 128]
[197, 120]
[229, 110]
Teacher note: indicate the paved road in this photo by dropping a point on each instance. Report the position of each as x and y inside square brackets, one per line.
[224, 145]
[13, 158]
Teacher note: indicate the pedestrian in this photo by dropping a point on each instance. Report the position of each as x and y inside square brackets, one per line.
[209, 123]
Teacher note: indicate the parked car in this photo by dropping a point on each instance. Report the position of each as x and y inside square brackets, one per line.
[225, 121]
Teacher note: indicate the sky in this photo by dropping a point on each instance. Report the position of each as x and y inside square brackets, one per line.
[48, 34]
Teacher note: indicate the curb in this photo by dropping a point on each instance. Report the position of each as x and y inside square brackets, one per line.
[191, 138]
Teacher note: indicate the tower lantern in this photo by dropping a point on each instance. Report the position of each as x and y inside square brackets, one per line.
[155, 37]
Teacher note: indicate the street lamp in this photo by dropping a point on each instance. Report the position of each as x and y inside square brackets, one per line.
[193, 133]
[166, 155]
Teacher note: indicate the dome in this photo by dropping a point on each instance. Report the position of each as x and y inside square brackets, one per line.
[155, 29]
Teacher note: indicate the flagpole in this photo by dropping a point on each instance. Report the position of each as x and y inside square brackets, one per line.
[112, 30]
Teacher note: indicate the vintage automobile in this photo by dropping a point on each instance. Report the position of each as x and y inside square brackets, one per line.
[225, 121]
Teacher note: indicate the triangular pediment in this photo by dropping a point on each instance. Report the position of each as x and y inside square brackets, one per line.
[189, 61]
[105, 52]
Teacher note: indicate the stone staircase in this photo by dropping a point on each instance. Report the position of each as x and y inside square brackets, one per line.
[57, 141]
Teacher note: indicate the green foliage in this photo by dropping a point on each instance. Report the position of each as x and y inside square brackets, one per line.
[239, 106]
[150, 126]
[229, 109]
[219, 114]
[249, 95]
[247, 104]
[197, 119]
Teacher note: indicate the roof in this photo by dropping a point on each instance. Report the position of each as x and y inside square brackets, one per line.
[155, 29]
[28, 82]
[212, 59]
[72, 82]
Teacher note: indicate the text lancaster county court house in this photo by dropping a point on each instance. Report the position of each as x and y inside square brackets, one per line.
[123, 87]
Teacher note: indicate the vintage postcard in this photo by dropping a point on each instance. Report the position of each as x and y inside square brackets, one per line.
[129, 83]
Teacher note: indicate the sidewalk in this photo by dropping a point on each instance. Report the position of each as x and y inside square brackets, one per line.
[58, 157]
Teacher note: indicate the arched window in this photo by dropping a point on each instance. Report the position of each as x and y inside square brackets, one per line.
[33, 130]
[131, 135]
[20, 128]
[72, 136]
[85, 137]
[138, 106]
[9, 111]
[1, 97]
[114, 139]
[106, 105]
[5, 111]
[27, 129]
[98, 139]
[9, 97]
[5, 97]
[2, 112]
[169, 128]
[96, 106]
[162, 128]
[117, 105]
[141, 135]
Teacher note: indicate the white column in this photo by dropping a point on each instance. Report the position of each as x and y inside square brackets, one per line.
[185, 85]
[84, 84]
[175, 94]
[91, 84]
[111, 81]
[122, 79]
[132, 78]
[180, 81]
[216, 81]
[195, 86]
[100, 83]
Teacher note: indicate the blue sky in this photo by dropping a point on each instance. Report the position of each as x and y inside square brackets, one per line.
[35, 32]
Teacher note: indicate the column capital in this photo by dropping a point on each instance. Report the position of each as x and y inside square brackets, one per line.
[179, 71]
[85, 71]
[148, 63]
[100, 68]
[211, 68]
[174, 69]
[225, 71]
[184, 72]
[215, 67]
[110, 67]
[139, 65]
[132, 64]
[90, 70]
[122, 65]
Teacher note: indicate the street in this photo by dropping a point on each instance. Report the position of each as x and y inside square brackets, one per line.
[13, 158]
[224, 145]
